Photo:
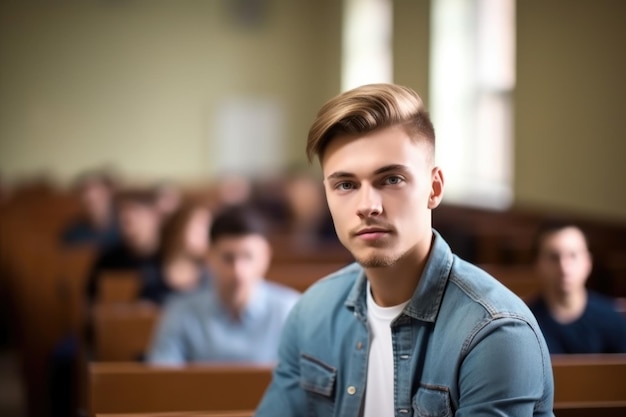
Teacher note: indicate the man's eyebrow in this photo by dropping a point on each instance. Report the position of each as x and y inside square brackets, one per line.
[382, 170]
[391, 168]
[340, 175]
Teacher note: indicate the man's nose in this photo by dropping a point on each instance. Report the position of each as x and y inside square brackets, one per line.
[564, 264]
[370, 202]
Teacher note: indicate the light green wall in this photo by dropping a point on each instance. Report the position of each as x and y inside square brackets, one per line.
[136, 84]
[570, 103]
[411, 48]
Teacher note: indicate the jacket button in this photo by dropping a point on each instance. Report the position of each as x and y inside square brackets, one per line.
[359, 345]
[351, 390]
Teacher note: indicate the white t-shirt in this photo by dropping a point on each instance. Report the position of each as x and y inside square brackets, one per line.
[379, 389]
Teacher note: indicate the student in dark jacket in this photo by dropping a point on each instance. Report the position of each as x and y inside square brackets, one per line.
[572, 318]
[96, 224]
[140, 224]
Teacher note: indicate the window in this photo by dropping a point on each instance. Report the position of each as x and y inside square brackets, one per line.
[366, 43]
[472, 81]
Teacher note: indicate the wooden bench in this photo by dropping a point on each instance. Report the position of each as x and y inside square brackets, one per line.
[249, 413]
[139, 388]
[301, 275]
[585, 385]
[521, 279]
[118, 286]
[288, 250]
[589, 385]
[123, 332]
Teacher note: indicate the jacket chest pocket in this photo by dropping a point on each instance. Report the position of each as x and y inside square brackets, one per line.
[318, 380]
[432, 401]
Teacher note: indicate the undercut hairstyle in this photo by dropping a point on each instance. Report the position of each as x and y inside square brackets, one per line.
[366, 109]
[550, 226]
[237, 221]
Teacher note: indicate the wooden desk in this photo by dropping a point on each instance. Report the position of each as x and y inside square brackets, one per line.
[249, 413]
[301, 275]
[118, 286]
[123, 332]
[139, 388]
[521, 279]
[589, 385]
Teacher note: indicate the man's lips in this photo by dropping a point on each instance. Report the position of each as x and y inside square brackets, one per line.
[371, 233]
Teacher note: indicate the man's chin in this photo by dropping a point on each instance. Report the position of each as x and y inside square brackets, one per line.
[376, 261]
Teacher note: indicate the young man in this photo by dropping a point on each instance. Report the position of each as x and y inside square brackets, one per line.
[240, 317]
[410, 329]
[140, 224]
[573, 319]
[97, 224]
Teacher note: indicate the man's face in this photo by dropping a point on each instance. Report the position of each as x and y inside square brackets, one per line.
[238, 264]
[96, 199]
[381, 188]
[564, 262]
[140, 225]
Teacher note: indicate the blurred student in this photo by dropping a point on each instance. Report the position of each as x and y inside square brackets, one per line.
[240, 317]
[140, 224]
[97, 224]
[572, 318]
[168, 198]
[185, 244]
[310, 221]
[233, 189]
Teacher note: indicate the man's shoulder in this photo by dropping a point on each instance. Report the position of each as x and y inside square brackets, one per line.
[344, 277]
[483, 290]
[333, 287]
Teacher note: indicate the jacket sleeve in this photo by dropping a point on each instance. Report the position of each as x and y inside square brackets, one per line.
[285, 397]
[506, 372]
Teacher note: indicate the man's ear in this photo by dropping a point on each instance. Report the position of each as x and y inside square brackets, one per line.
[436, 189]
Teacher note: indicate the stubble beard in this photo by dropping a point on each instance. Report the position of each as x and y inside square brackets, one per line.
[381, 260]
[376, 260]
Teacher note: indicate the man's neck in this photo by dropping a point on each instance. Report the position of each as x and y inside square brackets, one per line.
[567, 307]
[396, 284]
[236, 304]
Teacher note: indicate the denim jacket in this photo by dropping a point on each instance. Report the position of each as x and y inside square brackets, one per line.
[464, 345]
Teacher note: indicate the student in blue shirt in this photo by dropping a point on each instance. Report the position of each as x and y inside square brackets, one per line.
[572, 318]
[240, 316]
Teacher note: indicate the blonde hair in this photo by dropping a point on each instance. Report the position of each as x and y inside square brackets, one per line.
[368, 108]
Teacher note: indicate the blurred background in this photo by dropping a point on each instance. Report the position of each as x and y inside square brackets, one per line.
[528, 99]
[159, 89]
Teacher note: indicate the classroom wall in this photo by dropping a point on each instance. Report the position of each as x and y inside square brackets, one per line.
[138, 84]
[102, 82]
[569, 106]
[411, 45]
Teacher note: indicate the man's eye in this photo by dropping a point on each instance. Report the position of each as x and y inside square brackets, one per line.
[344, 186]
[393, 180]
